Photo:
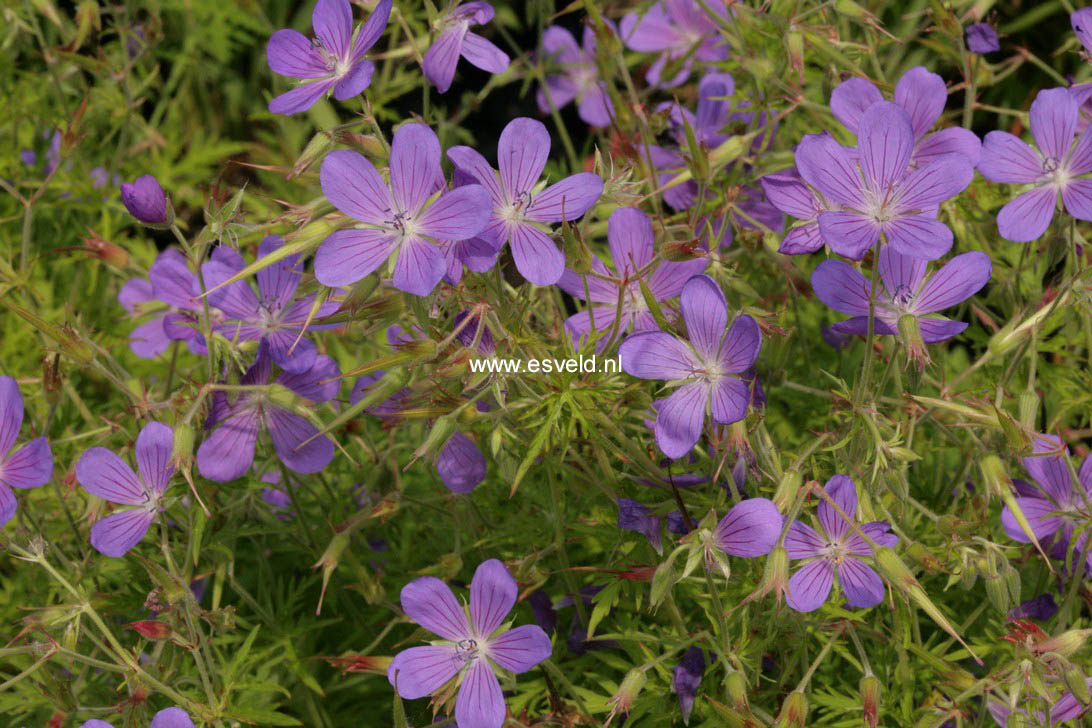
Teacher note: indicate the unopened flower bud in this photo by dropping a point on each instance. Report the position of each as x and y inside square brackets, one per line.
[152, 629]
[735, 685]
[146, 201]
[775, 577]
[182, 452]
[910, 336]
[787, 489]
[442, 430]
[994, 476]
[631, 686]
[687, 679]
[871, 696]
[281, 396]
[1065, 644]
[680, 250]
[367, 144]
[794, 711]
[315, 150]
[1029, 408]
[1078, 685]
[997, 592]
[104, 250]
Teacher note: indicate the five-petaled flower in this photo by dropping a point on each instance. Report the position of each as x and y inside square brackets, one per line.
[682, 32]
[836, 547]
[28, 467]
[229, 451]
[274, 316]
[398, 216]
[905, 291]
[170, 281]
[1056, 506]
[1054, 169]
[470, 647]
[712, 363]
[334, 60]
[878, 192]
[578, 78]
[632, 246]
[518, 210]
[103, 473]
[922, 95]
[456, 40]
[982, 38]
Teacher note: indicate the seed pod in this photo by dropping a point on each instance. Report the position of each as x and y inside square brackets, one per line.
[871, 693]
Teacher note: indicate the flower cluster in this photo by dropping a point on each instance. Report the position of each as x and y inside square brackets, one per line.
[649, 246]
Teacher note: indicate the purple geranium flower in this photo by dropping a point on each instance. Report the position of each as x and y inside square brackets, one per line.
[145, 200]
[680, 31]
[456, 40]
[470, 645]
[461, 464]
[835, 547]
[787, 192]
[334, 60]
[28, 467]
[476, 254]
[1041, 607]
[711, 362]
[106, 475]
[517, 213]
[632, 247]
[579, 77]
[1054, 169]
[470, 327]
[396, 217]
[100, 177]
[687, 678]
[28, 157]
[749, 529]
[166, 718]
[274, 317]
[905, 290]
[170, 281]
[982, 38]
[53, 154]
[878, 191]
[1057, 506]
[229, 451]
[922, 95]
[1081, 20]
[636, 516]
